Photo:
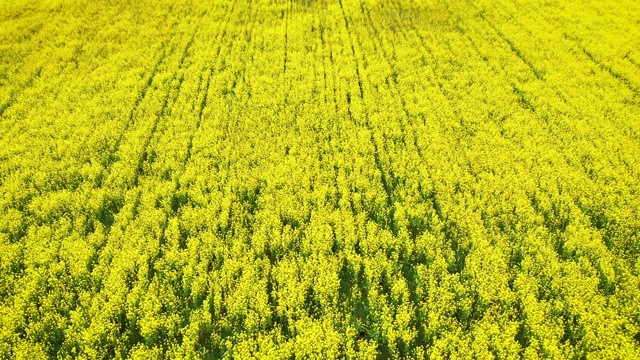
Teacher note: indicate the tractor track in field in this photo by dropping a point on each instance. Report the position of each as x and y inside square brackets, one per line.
[37, 74]
[394, 81]
[574, 107]
[142, 159]
[571, 41]
[557, 135]
[176, 203]
[387, 178]
[149, 78]
[162, 114]
[302, 179]
[204, 102]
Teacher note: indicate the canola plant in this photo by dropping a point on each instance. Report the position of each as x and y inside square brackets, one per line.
[281, 179]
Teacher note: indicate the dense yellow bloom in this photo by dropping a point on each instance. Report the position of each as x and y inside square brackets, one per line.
[319, 179]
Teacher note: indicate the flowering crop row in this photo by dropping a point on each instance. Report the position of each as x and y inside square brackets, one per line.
[319, 179]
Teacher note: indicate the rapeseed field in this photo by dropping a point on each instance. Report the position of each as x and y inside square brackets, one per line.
[320, 179]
